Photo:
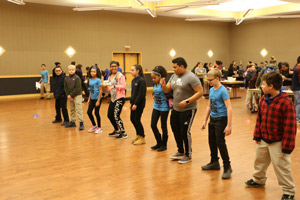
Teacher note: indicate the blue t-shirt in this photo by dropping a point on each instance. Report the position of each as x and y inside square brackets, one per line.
[94, 88]
[217, 98]
[160, 102]
[44, 76]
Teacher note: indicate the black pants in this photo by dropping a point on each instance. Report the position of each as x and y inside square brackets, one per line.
[202, 81]
[114, 112]
[135, 118]
[93, 106]
[216, 139]
[181, 123]
[85, 89]
[61, 105]
[161, 140]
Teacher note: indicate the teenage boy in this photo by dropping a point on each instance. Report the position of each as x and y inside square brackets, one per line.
[220, 112]
[45, 82]
[187, 90]
[275, 134]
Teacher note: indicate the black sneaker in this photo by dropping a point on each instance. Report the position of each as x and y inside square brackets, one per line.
[252, 183]
[212, 166]
[155, 146]
[162, 148]
[70, 124]
[227, 173]
[121, 135]
[64, 123]
[81, 127]
[114, 133]
[286, 197]
[42, 98]
[56, 121]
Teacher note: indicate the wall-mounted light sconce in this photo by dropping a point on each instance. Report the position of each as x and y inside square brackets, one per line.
[2, 51]
[263, 52]
[210, 53]
[172, 53]
[70, 51]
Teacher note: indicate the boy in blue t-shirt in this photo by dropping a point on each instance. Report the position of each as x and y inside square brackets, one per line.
[45, 82]
[219, 109]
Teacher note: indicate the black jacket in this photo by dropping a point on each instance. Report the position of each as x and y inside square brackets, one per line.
[138, 91]
[58, 87]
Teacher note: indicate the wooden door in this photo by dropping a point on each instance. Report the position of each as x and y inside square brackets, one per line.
[120, 58]
[130, 60]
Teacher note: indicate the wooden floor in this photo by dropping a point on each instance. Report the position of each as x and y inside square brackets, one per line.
[41, 160]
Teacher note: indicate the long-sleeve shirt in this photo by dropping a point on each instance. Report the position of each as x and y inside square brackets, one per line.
[58, 86]
[276, 121]
[138, 91]
[73, 85]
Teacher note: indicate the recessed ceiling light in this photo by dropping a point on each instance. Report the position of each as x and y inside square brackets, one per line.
[210, 53]
[263, 52]
[172, 53]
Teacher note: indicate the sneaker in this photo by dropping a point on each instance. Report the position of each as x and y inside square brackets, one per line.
[70, 124]
[42, 98]
[135, 139]
[286, 197]
[56, 121]
[211, 166]
[113, 134]
[121, 135]
[140, 141]
[92, 129]
[98, 130]
[177, 156]
[81, 127]
[162, 148]
[184, 160]
[64, 123]
[252, 183]
[227, 173]
[155, 146]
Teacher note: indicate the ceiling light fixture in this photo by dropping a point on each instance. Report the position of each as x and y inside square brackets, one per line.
[172, 53]
[210, 53]
[70, 51]
[139, 2]
[238, 22]
[150, 12]
[263, 52]
[19, 2]
[101, 8]
[2, 50]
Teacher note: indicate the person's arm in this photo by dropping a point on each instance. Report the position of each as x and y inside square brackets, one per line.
[142, 92]
[298, 72]
[207, 113]
[198, 94]
[40, 80]
[100, 94]
[48, 78]
[257, 134]
[229, 116]
[77, 88]
[257, 84]
[121, 85]
[165, 87]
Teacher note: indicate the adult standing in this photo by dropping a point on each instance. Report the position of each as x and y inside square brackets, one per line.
[296, 88]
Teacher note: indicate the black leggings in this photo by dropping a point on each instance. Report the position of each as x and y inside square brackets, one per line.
[135, 118]
[161, 140]
[92, 105]
[114, 112]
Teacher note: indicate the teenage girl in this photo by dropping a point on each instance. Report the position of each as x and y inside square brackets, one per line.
[138, 102]
[116, 86]
[160, 109]
[94, 100]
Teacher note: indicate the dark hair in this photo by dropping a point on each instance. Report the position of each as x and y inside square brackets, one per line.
[261, 62]
[218, 62]
[205, 65]
[43, 65]
[79, 66]
[298, 60]
[57, 66]
[98, 74]
[273, 60]
[73, 62]
[180, 61]
[140, 68]
[114, 62]
[87, 68]
[231, 66]
[273, 78]
[57, 63]
[197, 64]
[160, 70]
[285, 64]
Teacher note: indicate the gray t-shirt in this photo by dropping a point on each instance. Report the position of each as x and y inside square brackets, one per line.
[202, 70]
[182, 86]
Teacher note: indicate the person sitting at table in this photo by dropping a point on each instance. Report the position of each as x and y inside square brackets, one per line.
[230, 70]
[286, 75]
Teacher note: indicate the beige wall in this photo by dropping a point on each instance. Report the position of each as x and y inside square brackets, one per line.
[35, 34]
[280, 37]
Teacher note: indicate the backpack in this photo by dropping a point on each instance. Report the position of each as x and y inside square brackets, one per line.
[269, 69]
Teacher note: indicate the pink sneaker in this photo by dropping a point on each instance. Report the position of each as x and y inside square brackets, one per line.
[98, 130]
[92, 129]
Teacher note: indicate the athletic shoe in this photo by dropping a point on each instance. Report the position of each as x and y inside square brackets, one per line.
[81, 127]
[155, 146]
[162, 148]
[70, 124]
[92, 129]
[140, 141]
[98, 130]
[56, 121]
[287, 197]
[135, 139]
[113, 134]
[212, 166]
[177, 156]
[64, 123]
[227, 173]
[252, 183]
[121, 135]
[184, 160]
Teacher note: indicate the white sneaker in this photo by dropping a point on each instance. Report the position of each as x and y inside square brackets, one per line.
[98, 130]
[92, 129]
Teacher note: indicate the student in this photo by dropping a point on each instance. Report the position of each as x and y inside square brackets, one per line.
[249, 97]
[275, 134]
[160, 109]
[138, 102]
[268, 68]
[296, 88]
[53, 71]
[220, 112]
[200, 71]
[94, 100]
[74, 94]
[83, 86]
[45, 82]
[286, 75]
[60, 96]
[116, 86]
[187, 90]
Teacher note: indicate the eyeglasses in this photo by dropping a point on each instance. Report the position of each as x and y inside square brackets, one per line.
[58, 70]
[113, 66]
[210, 80]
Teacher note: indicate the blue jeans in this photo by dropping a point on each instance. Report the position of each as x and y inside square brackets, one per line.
[297, 103]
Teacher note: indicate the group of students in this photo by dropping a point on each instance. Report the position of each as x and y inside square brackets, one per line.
[274, 133]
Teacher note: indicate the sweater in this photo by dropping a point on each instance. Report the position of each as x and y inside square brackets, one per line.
[73, 85]
[277, 122]
[138, 91]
